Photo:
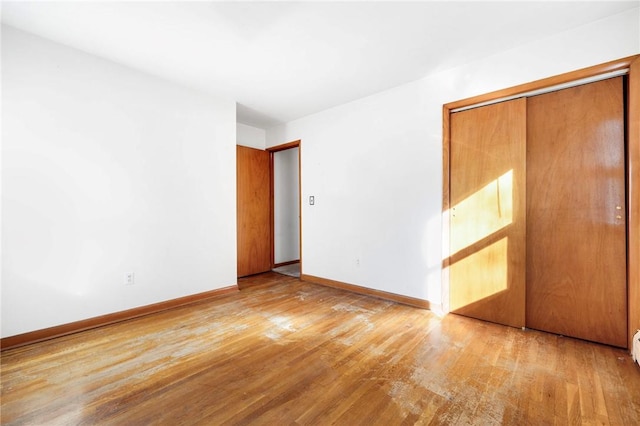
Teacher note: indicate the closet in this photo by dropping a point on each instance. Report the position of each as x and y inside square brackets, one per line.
[537, 212]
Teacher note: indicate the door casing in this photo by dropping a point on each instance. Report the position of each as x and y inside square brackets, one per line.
[272, 151]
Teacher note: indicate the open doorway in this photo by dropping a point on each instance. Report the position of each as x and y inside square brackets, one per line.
[285, 208]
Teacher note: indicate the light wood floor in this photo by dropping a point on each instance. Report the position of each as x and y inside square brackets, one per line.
[289, 352]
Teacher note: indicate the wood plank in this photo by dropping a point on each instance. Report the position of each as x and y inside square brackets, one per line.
[487, 215]
[290, 352]
[253, 211]
[576, 221]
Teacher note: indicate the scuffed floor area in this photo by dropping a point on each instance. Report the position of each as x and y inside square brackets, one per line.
[282, 351]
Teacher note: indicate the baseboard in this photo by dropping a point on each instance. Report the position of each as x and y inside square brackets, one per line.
[405, 300]
[77, 326]
[291, 262]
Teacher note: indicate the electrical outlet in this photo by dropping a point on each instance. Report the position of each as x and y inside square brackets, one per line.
[312, 200]
[128, 278]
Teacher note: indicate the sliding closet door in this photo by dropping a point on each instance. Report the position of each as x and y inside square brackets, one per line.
[487, 215]
[576, 230]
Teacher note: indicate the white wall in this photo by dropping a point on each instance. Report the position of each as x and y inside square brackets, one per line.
[106, 170]
[286, 206]
[375, 165]
[250, 136]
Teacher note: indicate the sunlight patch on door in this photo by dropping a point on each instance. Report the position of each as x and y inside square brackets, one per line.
[487, 269]
[482, 214]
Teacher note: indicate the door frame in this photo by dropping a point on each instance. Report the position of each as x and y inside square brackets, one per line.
[632, 64]
[272, 150]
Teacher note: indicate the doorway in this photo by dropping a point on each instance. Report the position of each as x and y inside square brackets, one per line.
[269, 210]
[286, 208]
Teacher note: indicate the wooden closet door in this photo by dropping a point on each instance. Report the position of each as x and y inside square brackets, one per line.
[576, 231]
[253, 211]
[487, 215]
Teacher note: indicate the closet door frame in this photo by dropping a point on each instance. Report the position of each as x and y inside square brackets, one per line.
[631, 63]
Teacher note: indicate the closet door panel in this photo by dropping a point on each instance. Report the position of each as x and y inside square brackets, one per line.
[487, 215]
[576, 230]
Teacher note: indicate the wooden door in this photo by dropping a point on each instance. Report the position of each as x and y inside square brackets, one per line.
[487, 215]
[576, 230]
[253, 211]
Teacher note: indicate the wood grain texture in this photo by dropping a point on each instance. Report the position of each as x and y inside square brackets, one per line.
[633, 195]
[633, 169]
[576, 221]
[290, 352]
[102, 320]
[487, 214]
[254, 220]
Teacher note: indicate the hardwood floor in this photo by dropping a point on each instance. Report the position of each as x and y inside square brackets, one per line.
[283, 351]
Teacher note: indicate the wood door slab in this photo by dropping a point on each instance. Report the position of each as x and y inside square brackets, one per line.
[487, 214]
[253, 211]
[576, 227]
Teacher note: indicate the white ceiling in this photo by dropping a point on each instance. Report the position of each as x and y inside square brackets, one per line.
[284, 60]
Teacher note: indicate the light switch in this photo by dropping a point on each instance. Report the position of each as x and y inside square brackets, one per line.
[312, 200]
